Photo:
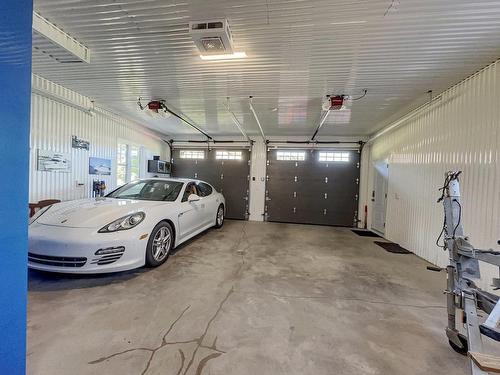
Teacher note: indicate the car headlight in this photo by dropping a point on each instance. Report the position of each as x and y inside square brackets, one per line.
[124, 223]
[39, 213]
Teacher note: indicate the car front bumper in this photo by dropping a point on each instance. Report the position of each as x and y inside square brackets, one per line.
[84, 250]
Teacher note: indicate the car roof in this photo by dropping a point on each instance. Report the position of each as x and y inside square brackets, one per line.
[173, 179]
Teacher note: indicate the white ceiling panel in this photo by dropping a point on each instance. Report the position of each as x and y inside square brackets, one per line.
[298, 52]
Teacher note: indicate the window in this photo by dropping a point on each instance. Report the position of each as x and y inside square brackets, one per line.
[128, 191]
[291, 155]
[128, 163]
[190, 189]
[121, 164]
[150, 190]
[204, 189]
[192, 154]
[228, 155]
[135, 162]
[333, 156]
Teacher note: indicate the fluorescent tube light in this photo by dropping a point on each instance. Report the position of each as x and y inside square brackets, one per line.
[347, 23]
[58, 38]
[227, 56]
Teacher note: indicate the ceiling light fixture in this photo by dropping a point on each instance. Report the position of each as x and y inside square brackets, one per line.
[226, 56]
[48, 35]
[347, 23]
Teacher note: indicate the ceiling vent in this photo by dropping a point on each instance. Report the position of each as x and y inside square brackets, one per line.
[212, 37]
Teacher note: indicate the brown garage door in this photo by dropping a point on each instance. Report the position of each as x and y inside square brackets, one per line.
[228, 170]
[313, 186]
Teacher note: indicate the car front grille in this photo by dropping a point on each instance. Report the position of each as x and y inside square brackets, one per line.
[70, 262]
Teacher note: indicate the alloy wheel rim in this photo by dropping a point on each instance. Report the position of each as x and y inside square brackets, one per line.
[220, 216]
[161, 244]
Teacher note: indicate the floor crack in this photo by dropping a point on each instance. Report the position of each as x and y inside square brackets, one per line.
[215, 352]
[198, 340]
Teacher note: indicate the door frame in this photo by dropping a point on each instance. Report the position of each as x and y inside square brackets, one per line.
[380, 170]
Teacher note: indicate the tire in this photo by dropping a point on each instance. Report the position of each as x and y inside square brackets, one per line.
[464, 342]
[219, 217]
[160, 244]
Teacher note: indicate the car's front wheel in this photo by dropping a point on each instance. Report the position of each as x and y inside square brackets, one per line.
[219, 219]
[159, 245]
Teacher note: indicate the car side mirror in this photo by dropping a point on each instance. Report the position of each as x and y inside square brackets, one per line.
[194, 198]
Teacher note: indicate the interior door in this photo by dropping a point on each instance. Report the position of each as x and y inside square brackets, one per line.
[379, 195]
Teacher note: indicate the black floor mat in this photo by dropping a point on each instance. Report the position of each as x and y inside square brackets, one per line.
[392, 247]
[365, 233]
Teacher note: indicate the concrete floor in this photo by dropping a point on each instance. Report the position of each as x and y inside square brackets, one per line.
[252, 298]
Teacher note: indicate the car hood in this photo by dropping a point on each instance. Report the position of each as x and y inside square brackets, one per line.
[93, 213]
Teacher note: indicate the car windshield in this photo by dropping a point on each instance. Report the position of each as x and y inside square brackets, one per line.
[149, 190]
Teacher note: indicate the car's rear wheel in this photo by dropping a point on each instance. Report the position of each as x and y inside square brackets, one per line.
[159, 245]
[219, 219]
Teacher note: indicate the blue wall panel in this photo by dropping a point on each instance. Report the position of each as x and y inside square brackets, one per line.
[15, 94]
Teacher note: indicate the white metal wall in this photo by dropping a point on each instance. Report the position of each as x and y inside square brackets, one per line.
[53, 122]
[459, 131]
[257, 187]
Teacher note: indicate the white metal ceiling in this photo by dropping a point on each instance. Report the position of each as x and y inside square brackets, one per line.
[299, 51]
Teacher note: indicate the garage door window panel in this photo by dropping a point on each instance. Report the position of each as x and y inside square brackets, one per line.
[289, 169]
[333, 156]
[192, 164]
[192, 154]
[228, 155]
[290, 155]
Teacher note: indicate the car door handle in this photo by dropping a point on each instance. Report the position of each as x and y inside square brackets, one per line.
[183, 212]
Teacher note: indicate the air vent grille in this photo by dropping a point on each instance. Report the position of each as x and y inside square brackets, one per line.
[212, 37]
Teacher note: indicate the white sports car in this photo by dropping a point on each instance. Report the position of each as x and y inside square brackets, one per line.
[137, 224]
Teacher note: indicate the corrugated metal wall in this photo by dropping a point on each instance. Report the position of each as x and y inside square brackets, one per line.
[258, 187]
[53, 122]
[459, 131]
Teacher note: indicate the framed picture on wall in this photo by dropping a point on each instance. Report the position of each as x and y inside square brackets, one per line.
[49, 161]
[79, 143]
[100, 166]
